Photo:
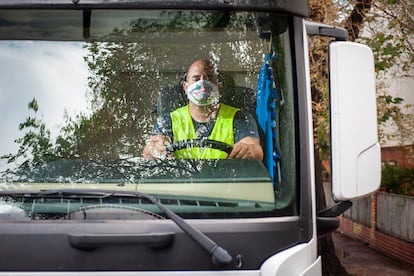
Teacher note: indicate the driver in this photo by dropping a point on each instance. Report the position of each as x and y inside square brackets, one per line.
[204, 117]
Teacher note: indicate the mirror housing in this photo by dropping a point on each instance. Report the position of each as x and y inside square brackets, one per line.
[355, 150]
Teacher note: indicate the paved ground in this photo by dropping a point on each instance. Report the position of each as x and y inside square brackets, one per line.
[361, 260]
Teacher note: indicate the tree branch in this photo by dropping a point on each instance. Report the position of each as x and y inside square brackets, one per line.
[356, 18]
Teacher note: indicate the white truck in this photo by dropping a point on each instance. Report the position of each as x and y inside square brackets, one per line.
[82, 83]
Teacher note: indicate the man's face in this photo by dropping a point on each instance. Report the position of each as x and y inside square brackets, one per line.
[199, 70]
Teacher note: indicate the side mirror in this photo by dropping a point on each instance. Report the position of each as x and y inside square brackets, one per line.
[355, 150]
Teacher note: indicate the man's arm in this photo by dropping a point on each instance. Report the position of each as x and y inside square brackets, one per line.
[247, 148]
[246, 136]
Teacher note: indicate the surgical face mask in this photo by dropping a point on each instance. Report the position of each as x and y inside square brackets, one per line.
[203, 93]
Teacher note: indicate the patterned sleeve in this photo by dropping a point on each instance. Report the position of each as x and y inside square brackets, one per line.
[244, 125]
[163, 126]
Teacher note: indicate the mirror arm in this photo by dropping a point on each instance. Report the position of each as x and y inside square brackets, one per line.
[335, 210]
[326, 226]
[327, 221]
[314, 28]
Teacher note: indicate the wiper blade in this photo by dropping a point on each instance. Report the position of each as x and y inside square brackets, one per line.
[76, 193]
[62, 193]
[219, 255]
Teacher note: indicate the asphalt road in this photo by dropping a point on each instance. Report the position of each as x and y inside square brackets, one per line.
[361, 260]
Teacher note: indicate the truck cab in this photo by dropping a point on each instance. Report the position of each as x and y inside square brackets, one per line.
[83, 83]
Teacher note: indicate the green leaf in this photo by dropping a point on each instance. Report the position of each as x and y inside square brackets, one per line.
[33, 105]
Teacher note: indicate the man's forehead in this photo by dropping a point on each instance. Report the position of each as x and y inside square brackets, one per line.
[201, 67]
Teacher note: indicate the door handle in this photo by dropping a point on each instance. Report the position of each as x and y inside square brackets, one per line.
[93, 241]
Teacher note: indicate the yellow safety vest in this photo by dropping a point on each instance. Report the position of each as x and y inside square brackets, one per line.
[183, 129]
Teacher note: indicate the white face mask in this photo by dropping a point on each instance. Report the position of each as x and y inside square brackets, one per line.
[203, 93]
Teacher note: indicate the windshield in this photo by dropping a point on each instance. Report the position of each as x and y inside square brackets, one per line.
[82, 93]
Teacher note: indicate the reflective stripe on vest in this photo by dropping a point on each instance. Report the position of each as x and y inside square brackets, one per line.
[183, 129]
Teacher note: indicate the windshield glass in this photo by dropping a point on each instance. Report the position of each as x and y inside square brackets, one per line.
[84, 92]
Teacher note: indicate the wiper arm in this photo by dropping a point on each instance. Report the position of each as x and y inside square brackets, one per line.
[219, 255]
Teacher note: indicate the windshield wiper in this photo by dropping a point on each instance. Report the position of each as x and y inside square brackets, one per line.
[219, 255]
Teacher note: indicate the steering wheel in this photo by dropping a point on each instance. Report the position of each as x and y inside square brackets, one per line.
[199, 143]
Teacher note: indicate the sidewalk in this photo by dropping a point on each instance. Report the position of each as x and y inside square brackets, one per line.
[361, 260]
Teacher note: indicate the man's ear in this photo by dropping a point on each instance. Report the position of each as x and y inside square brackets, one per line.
[185, 87]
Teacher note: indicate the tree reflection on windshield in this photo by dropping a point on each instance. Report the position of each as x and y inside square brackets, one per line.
[95, 106]
[106, 112]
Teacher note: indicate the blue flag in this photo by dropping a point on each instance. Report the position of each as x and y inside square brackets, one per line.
[266, 96]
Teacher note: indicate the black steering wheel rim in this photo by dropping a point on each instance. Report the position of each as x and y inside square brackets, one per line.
[199, 143]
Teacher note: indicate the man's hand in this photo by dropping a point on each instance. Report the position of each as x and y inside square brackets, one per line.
[156, 147]
[247, 148]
